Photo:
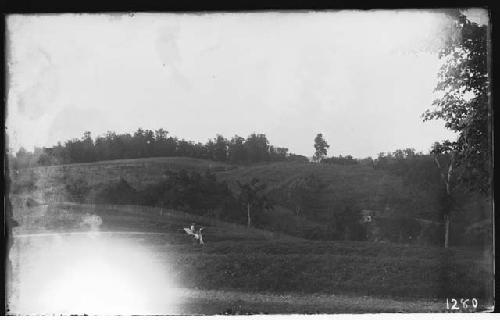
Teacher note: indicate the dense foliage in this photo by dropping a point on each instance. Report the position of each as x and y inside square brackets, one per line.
[464, 104]
[182, 190]
[343, 160]
[146, 143]
[468, 210]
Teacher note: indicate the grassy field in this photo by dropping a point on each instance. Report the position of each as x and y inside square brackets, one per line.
[275, 273]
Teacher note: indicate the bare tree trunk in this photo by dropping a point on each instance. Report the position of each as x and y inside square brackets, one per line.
[248, 215]
[446, 230]
[446, 179]
[297, 211]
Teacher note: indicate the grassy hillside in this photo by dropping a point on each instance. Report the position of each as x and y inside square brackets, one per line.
[50, 181]
[362, 186]
[355, 187]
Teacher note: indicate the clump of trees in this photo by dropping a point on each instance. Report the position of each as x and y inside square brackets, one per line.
[120, 192]
[190, 191]
[193, 192]
[182, 190]
[147, 143]
[456, 207]
[342, 160]
[24, 159]
[416, 168]
[398, 161]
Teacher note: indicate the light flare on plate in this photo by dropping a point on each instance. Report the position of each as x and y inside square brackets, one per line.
[94, 274]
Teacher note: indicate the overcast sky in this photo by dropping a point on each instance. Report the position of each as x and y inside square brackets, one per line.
[361, 78]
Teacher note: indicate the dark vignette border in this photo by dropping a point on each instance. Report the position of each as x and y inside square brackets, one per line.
[92, 6]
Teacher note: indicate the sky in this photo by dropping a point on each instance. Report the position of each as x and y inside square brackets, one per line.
[361, 78]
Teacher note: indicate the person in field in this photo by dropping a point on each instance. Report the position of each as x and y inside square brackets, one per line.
[197, 235]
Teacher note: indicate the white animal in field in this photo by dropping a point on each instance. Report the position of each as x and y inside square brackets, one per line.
[198, 236]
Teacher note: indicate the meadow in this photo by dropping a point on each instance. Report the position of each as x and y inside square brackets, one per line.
[259, 263]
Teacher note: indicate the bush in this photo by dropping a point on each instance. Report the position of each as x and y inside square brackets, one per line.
[183, 190]
[118, 193]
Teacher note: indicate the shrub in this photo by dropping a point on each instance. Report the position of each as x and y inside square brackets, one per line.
[118, 193]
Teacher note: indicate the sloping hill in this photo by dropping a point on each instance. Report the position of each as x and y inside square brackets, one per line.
[361, 186]
[50, 181]
[356, 187]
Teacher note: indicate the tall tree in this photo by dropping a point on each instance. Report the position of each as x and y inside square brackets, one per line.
[236, 150]
[220, 148]
[257, 148]
[160, 141]
[464, 106]
[88, 147]
[464, 103]
[252, 198]
[321, 147]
